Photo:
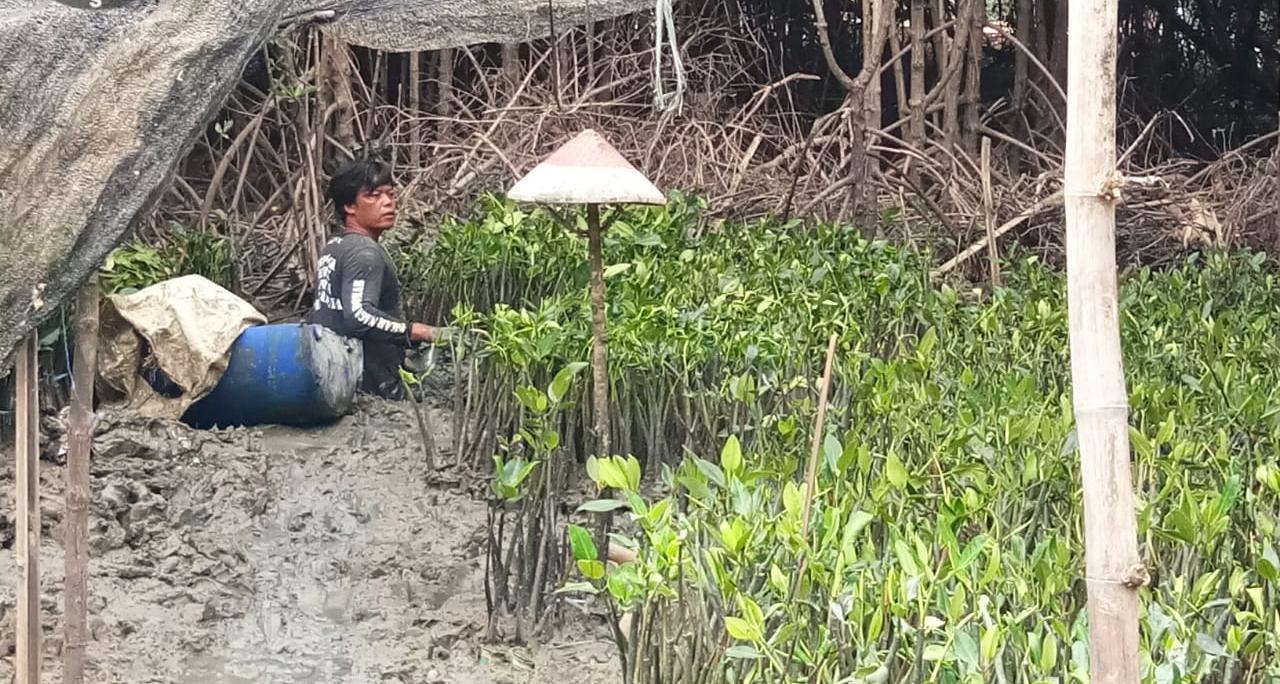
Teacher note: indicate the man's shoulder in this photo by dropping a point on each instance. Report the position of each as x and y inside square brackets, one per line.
[360, 245]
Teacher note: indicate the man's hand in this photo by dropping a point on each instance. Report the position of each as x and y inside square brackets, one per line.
[421, 332]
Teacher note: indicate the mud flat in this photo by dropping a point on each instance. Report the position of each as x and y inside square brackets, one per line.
[281, 555]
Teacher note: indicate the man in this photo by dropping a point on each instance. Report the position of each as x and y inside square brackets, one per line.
[357, 291]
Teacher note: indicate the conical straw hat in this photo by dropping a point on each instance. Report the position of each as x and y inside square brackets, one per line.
[586, 170]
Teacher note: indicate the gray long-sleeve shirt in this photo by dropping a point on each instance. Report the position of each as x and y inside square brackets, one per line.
[358, 295]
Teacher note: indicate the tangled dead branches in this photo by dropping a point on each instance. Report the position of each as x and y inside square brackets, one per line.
[456, 123]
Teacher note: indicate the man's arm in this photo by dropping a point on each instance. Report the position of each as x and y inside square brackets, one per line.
[361, 289]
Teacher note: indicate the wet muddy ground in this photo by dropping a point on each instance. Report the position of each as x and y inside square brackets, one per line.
[282, 555]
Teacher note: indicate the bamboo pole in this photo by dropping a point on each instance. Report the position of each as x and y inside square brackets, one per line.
[989, 213]
[815, 447]
[27, 535]
[1113, 571]
[79, 445]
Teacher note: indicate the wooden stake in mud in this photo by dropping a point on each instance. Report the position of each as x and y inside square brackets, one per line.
[27, 535]
[79, 445]
[989, 214]
[1090, 190]
[811, 473]
[599, 331]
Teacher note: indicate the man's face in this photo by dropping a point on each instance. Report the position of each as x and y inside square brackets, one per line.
[374, 210]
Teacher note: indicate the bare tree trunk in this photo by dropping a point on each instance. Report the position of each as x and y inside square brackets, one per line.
[977, 17]
[899, 75]
[873, 44]
[511, 64]
[1041, 46]
[1023, 33]
[415, 109]
[956, 60]
[1058, 61]
[444, 81]
[79, 445]
[1113, 571]
[863, 107]
[917, 73]
[338, 74]
[941, 51]
[1275, 170]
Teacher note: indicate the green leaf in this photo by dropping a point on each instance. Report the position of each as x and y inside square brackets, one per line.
[935, 652]
[584, 547]
[831, 450]
[591, 569]
[1269, 564]
[857, 522]
[751, 611]
[905, 558]
[731, 456]
[778, 580]
[792, 499]
[1210, 646]
[990, 643]
[966, 648]
[616, 269]
[895, 471]
[564, 379]
[1049, 653]
[928, 342]
[601, 506]
[631, 470]
[741, 629]
[742, 652]
[710, 470]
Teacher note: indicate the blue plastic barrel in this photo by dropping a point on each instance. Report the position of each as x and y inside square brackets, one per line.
[286, 374]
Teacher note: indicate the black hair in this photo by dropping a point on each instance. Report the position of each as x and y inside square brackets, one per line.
[354, 177]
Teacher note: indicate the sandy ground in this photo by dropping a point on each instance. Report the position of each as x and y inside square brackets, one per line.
[281, 555]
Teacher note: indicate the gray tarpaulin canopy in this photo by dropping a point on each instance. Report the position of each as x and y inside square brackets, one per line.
[97, 107]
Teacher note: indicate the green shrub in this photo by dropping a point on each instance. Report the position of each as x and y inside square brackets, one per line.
[944, 542]
[186, 252]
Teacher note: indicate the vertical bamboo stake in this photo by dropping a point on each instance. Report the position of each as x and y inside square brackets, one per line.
[27, 535]
[989, 213]
[79, 445]
[811, 473]
[1097, 368]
